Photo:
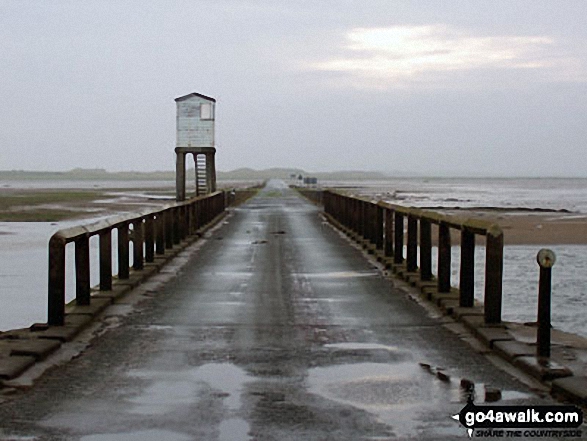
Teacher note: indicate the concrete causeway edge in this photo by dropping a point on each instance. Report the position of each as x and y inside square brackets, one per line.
[511, 342]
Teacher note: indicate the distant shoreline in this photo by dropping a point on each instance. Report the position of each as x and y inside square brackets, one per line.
[239, 174]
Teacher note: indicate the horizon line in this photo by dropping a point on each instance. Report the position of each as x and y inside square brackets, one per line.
[391, 175]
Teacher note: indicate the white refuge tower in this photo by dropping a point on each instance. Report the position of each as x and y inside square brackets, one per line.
[195, 135]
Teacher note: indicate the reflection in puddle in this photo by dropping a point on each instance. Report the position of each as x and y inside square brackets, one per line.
[144, 435]
[324, 300]
[338, 274]
[400, 395]
[225, 377]
[170, 389]
[160, 327]
[513, 395]
[372, 384]
[233, 429]
[5, 436]
[229, 274]
[361, 346]
[164, 395]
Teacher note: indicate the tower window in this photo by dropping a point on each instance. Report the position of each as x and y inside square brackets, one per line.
[206, 111]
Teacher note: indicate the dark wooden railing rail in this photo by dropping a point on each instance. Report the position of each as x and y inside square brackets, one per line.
[152, 233]
[386, 228]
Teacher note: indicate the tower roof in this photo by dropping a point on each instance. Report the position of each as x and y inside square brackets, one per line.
[189, 95]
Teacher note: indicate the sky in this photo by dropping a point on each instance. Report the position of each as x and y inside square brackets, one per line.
[440, 88]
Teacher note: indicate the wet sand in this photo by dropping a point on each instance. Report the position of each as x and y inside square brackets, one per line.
[63, 204]
[527, 228]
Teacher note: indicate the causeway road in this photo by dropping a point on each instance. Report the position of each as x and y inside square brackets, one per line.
[272, 327]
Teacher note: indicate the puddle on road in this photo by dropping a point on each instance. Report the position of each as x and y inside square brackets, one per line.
[402, 395]
[234, 429]
[171, 389]
[361, 346]
[325, 300]
[164, 395]
[143, 435]
[227, 378]
[159, 327]
[230, 304]
[371, 384]
[337, 274]
[230, 274]
[507, 395]
[399, 394]
[7, 437]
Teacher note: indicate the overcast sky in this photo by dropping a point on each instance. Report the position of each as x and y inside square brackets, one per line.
[452, 87]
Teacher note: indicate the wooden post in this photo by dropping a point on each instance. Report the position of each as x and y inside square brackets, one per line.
[388, 232]
[106, 260]
[444, 258]
[467, 271]
[149, 239]
[168, 222]
[398, 255]
[123, 250]
[56, 291]
[160, 234]
[378, 228]
[493, 275]
[546, 259]
[138, 254]
[425, 250]
[82, 271]
[180, 176]
[412, 248]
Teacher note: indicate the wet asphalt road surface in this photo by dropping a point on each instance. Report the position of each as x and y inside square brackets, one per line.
[274, 329]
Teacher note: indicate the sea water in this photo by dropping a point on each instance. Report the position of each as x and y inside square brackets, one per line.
[520, 283]
[509, 193]
[24, 270]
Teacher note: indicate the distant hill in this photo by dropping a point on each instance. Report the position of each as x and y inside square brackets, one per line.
[238, 174]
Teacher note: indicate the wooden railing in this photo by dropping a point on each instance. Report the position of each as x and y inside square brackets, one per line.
[152, 233]
[386, 229]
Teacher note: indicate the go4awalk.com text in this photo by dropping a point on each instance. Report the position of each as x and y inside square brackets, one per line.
[521, 421]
